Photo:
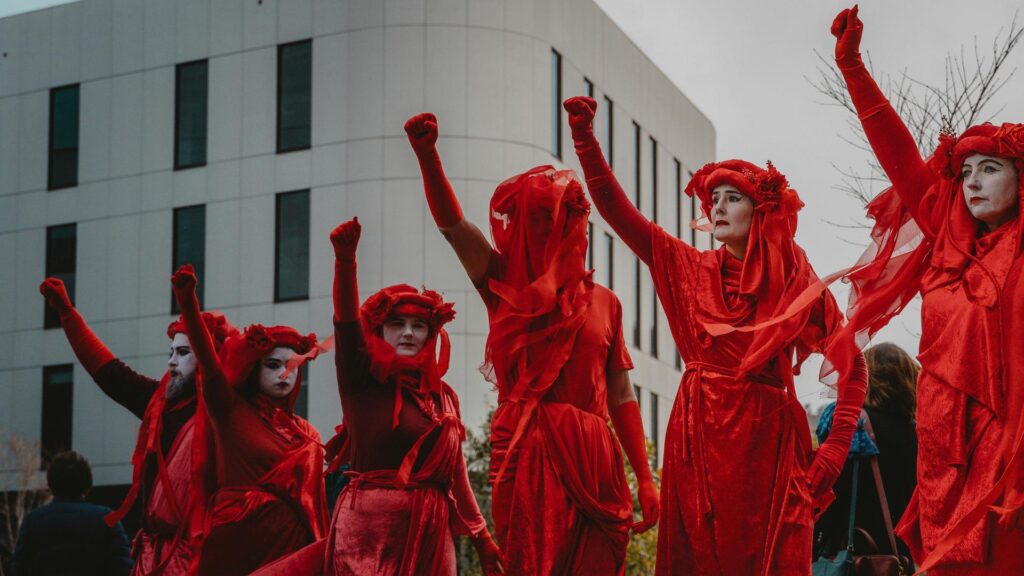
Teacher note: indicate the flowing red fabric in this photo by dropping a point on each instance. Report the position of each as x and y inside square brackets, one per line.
[165, 549]
[970, 434]
[732, 432]
[260, 488]
[561, 504]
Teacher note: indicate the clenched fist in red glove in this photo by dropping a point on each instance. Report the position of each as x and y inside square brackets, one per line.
[581, 111]
[422, 131]
[345, 239]
[56, 294]
[184, 278]
[848, 29]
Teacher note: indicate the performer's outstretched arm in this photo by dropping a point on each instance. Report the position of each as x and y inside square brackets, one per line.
[889, 137]
[350, 359]
[122, 384]
[215, 388]
[632, 226]
[465, 501]
[625, 412]
[471, 246]
[831, 455]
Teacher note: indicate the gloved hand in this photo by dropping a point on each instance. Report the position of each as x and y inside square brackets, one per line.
[422, 131]
[88, 348]
[581, 111]
[184, 279]
[488, 552]
[345, 239]
[56, 294]
[848, 29]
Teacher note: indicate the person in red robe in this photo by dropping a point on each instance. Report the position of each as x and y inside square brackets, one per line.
[740, 481]
[949, 229]
[561, 503]
[162, 461]
[262, 489]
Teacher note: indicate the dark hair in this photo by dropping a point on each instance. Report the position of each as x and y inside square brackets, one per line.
[69, 476]
[892, 380]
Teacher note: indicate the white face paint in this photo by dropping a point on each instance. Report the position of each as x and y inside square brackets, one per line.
[731, 214]
[406, 333]
[272, 367]
[181, 365]
[991, 188]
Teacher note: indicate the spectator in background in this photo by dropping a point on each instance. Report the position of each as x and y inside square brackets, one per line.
[890, 402]
[68, 536]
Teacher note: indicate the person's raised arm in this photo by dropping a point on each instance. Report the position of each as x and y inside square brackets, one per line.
[624, 410]
[214, 384]
[471, 246]
[122, 384]
[831, 455]
[349, 358]
[892, 142]
[611, 201]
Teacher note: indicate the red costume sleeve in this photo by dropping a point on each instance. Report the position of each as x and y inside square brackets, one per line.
[215, 389]
[444, 206]
[126, 386]
[88, 348]
[611, 201]
[831, 455]
[630, 429]
[889, 137]
[344, 239]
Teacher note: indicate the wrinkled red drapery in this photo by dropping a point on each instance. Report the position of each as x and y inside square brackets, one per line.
[969, 428]
[738, 445]
[561, 503]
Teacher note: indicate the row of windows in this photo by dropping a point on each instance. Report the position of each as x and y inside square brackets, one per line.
[188, 246]
[607, 120]
[191, 103]
[55, 434]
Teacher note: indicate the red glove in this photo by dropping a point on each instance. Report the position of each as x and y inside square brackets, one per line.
[831, 455]
[848, 29]
[345, 239]
[630, 430]
[184, 279]
[88, 348]
[488, 552]
[444, 206]
[608, 196]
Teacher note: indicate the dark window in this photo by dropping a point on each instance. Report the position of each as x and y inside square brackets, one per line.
[294, 95]
[588, 87]
[190, 245]
[694, 215]
[637, 152]
[637, 306]
[679, 197]
[654, 426]
[590, 245]
[637, 393]
[61, 243]
[556, 103]
[654, 218]
[291, 250]
[58, 404]
[190, 93]
[609, 131]
[302, 401]
[63, 159]
[609, 244]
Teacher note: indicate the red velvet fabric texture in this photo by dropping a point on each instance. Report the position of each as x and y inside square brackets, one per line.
[259, 490]
[967, 422]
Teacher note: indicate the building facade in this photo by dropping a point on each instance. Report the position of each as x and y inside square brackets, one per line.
[136, 135]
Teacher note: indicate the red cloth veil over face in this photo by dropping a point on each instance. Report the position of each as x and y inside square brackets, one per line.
[539, 226]
[148, 441]
[776, 282]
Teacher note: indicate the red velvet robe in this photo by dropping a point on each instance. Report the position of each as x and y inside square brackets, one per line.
[562, 505]
[734, 498]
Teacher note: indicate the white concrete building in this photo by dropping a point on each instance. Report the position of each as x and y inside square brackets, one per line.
[138, 133]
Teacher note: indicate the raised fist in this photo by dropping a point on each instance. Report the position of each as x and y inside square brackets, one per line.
[345, 238]
[184, 278]
[56, 294]
[847, 28]
[422, 131]
[581, 111]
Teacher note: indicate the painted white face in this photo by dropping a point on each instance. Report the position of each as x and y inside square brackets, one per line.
[731, 214]
[990, 187]
[406, 333]
[181, 365]
[272, 368]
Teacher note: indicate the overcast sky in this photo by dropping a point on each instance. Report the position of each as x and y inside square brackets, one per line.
[745, 64]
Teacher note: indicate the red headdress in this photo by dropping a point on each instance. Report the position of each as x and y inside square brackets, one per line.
[147, 443]
[776, 282]
[539, 225]
[242, 354]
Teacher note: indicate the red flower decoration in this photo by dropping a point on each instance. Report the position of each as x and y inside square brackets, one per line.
[575, 201]
[1011, 140]
[942, 157]
[769, 185]
[257, 338]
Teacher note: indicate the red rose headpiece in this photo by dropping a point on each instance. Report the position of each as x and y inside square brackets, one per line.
[216, 322]
[242, 353]
[405, 300]
[767, 188]
[1005, 141]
